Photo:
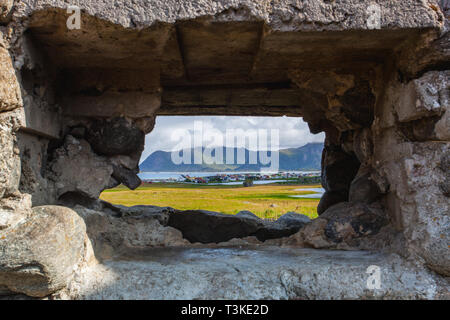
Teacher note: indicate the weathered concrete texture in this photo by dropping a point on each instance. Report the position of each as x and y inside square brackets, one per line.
[283, 15]
[338, 170]
[213, 227]
[9, 152]
[14, 209]
[90, 95]
[425, 97]
[111, 232]
[428, 227]
[252, 273]
[41, 252]
[116, 136]
[416, 201]
[5, 10]
[342, 226]
[76, 168]
[10, 96]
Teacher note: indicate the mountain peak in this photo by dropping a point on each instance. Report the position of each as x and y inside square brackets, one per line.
[307, 157]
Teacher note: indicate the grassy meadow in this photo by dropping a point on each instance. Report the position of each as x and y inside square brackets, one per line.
[266, 201]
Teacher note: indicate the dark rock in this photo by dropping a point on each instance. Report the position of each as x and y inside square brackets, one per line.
[338, 169]
[207, 227]
[348, 220]
[247, 214]
[284, 226]
[273, 230]
[363, 144]
[293, 219]
[126, 176]
[114, 137]
[364, 189]
[358, 104]
[445, 187]
[445, 167]
[329, 199]
[6, 7]
[78, 132]
[72, 199]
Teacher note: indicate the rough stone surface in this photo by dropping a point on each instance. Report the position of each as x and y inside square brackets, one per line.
[5, 10]
[206, 226]
[380, 96]
[347, 221]
[415, 202]
[40, 253]
[213, 227]
[284, 15]
[430, 231]
[294, 219]
[126, 176]
[137, 228]
[363, 188]
[114, 137]
[338, 169]
[77, 169]
[341, 226]
[247, 214]
[233, 273]
[10, 97]
[286, 225]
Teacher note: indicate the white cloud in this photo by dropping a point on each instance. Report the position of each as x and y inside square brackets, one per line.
[293, 132]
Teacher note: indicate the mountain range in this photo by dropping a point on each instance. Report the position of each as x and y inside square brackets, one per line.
[307, 157]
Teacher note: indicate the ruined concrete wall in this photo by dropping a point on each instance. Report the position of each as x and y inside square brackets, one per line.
[411, 150]
[73, 125]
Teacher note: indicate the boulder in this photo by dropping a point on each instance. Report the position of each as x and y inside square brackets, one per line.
[445, 167]
[346, 221]
[40, 253]
[358, 104]
[425, 210]
[338, 168]
[424, 97]
[273, 230]
[342, 226]
[128, 228]
[14, 209]
[76, 168]
[206, 226]
[247, 214]
[293, 219]
[10, 162]
[126, 176]
[116, 136]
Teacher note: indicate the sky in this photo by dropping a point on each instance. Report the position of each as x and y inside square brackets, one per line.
[177, 132]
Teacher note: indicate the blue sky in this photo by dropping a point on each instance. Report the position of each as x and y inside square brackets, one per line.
[293, 132]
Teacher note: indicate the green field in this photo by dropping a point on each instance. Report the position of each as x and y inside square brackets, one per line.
[266, 201]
